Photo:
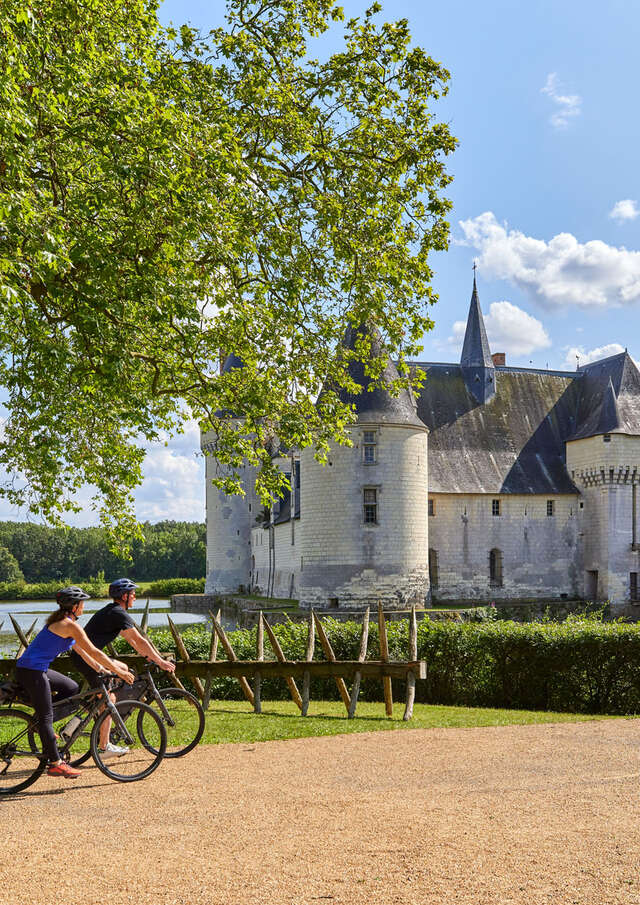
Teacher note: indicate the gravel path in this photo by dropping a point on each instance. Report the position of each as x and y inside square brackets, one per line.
[517, 814]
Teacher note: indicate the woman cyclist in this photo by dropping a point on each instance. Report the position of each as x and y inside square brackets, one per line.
[60, 633]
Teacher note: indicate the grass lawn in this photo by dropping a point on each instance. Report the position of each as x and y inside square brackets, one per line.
[234, 721]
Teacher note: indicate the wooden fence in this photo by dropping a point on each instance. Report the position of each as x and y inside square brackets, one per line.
[354, 671]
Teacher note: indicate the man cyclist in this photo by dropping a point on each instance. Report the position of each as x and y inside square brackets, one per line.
[102, 629]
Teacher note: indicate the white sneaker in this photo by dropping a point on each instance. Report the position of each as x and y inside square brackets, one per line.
[113, 750]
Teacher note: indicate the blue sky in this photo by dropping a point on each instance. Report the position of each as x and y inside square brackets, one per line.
[543, 100]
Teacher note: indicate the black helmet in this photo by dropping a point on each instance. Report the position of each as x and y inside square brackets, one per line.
[68, 597]
[120, 587]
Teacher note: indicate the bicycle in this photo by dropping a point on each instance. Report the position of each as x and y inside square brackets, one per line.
[179, 710]
[22, 760]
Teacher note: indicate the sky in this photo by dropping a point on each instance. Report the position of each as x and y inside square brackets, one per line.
[546, 193]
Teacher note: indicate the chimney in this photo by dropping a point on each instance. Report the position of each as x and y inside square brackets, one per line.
[499, 359]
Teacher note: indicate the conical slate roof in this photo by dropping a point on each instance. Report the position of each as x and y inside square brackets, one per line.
[377, 404]
[475, 350]
[609, 397]
[231, 362]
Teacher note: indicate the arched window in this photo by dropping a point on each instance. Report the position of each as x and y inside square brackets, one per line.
[495, 568]
[433, 567]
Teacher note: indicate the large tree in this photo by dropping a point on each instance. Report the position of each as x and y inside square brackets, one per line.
[167, 195]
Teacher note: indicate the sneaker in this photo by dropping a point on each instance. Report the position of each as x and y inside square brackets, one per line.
[113, 750]
[64, 770]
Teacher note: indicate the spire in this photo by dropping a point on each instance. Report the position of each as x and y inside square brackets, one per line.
[475, 350]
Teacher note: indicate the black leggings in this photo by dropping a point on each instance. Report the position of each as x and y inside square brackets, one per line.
[40, 686]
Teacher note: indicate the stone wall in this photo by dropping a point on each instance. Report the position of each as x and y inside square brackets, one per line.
[541, 555]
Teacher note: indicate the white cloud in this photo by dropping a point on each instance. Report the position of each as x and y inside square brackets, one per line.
[174, 482]
[568, 106]
[509, 329]
[582, 356]
[624, 210]
[557, 273]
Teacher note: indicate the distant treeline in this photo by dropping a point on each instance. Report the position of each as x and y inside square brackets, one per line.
[39, 554]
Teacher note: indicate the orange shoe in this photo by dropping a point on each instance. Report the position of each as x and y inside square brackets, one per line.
[64, 770]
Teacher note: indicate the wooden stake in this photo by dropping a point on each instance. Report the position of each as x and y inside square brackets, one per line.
[21, 635]
[185, 655]
[291, 682]
[413, 655]
[145, 619]
[213, 654]
[257, 679]
[329, 654]
[231, 654]
[384, 656]
[306, 679]
[23, 646]
[362, 655]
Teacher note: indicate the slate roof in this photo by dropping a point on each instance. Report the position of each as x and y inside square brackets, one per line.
[610, 397]
[512, 444]
[475, 349]
[377, 404]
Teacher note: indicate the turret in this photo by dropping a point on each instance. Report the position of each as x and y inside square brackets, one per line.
[364, 514]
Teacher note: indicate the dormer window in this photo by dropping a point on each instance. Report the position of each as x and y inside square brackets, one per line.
[369, 448]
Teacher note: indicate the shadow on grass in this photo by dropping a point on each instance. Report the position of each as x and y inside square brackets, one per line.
[311, 716]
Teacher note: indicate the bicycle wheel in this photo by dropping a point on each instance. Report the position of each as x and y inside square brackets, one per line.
[139, 760]
[187, 715]
[21, 759]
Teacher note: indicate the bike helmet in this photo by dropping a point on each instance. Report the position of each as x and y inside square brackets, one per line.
[120, 587]
[68, 597]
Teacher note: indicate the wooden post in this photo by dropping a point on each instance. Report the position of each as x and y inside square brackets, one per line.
[145, 619]
[257, 679]
[291, 682]
[413, 655]
[306, 678]
[329, 654]
[362, 655]
[25, 639]
[213, 654]
[384, 656]
[231, 654]
[24, 642]
[185, 655]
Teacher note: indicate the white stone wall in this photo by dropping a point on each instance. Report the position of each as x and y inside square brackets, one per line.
[345, 562]
[541, 555]
[606, 470]
[284, 563]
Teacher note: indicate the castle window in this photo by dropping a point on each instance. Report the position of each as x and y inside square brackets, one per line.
[370, 498]
[495, 507]
[495, 568]
[369, 445]
[431, 507]
[633, 586]
[551, 507]
[433, 567]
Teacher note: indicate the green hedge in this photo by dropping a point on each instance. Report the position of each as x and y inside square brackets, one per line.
[583, 665]
[165, 587]
[46, 590]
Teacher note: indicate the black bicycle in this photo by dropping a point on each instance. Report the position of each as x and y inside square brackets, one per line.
[134, 725]
[179, 710]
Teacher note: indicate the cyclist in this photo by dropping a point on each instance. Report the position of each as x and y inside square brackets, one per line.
[60, 633]
[102, 629]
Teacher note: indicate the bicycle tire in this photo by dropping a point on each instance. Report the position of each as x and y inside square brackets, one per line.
[131, 767]
[30, 763]
[196, 713]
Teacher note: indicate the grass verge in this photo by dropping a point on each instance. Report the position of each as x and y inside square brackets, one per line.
[233, 721]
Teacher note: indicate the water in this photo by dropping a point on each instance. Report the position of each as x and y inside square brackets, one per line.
[25, 611]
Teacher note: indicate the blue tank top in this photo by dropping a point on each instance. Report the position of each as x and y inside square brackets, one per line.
[44, 648]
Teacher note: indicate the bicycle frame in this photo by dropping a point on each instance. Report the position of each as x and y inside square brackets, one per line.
[152, 691]
[101, 698]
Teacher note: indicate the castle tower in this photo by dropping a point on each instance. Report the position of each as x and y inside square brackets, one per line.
[478, 370]
[364, 519]
[229, 519]
[603, 458]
